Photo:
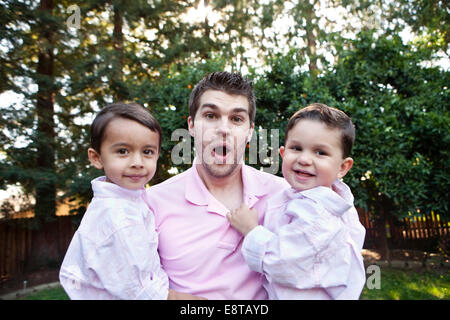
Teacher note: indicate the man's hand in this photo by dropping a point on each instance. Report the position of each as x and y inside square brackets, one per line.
[243, 219]
[175, 295]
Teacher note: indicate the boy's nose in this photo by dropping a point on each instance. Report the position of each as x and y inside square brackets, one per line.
[137, 161]
[304, 158]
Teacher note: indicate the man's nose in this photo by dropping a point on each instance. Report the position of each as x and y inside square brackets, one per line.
[223, 126]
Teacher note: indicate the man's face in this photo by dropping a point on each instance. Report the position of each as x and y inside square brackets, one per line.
[221, 131]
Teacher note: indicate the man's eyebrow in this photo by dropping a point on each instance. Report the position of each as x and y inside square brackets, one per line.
[214, 107]
[209, 105]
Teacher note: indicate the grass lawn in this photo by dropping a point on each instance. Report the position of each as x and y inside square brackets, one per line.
[56, 293]
[400, 284]
[396, 284]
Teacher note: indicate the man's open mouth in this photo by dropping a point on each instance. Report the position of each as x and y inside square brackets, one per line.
[221, 150]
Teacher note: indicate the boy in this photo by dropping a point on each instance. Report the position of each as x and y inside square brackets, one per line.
[311, 241]
[113, 254]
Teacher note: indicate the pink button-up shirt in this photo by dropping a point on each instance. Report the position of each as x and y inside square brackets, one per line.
[310, 245]
[113, 254]
[199, 250]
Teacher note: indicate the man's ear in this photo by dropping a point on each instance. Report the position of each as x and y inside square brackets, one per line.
[281, 151]
[251, 130]
[346, 165]
[191, 126]
[95, 159]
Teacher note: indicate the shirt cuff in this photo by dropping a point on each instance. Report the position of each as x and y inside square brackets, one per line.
[254, 247]
[154, 289]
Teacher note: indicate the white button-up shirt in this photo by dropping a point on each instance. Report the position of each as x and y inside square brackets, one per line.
[310, 245]
[113, 254]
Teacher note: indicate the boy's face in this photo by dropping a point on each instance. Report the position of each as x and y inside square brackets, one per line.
[128, 153]
[221, 131]
[313, 156]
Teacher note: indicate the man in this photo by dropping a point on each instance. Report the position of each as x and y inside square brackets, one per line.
[199, 250]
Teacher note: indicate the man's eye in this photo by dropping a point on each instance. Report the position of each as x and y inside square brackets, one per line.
[237, 119]
[210, 115]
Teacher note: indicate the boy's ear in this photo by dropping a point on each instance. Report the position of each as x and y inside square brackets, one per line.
[346, 165]
[281, 151]
[94, 158]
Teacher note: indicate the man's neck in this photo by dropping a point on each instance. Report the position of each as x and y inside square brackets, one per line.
[228, 190]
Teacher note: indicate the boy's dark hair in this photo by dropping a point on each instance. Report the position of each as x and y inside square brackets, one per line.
[132, 111]
[332, 117]
[230, 83]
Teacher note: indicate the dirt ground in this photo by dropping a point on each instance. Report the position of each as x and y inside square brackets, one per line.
[371, 256]
[11, 284]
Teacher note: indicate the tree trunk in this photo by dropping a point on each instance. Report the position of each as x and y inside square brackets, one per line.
[383, 241]
[45, 182]
[120, 92]
[311, 40]
[383, 207]
[43, 249]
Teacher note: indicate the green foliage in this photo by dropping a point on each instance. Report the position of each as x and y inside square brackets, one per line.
[398, 103]
[400, 110]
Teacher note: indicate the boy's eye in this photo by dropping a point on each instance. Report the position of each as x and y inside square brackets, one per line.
[321, 153]
[122, 151]
[296, 148]
[148, 152]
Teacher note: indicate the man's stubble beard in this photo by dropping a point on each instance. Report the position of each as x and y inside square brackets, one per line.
[221, 170]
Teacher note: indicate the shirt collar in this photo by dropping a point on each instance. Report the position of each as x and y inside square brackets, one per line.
[104, 189]
[197, 193]
[337, 199]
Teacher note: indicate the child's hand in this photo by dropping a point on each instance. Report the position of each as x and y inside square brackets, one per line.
[243, 219]
[175, 295]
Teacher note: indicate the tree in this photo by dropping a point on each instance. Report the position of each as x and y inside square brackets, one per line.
[401, 113]
[32, 33]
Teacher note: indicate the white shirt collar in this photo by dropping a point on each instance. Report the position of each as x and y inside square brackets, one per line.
[337, 199]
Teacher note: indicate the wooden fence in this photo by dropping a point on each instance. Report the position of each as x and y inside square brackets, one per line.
[422, 233]
[16, 242]
[16, 237]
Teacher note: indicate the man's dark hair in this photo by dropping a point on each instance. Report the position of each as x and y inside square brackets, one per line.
[131, 111]
[332, 117]
[230, 83]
